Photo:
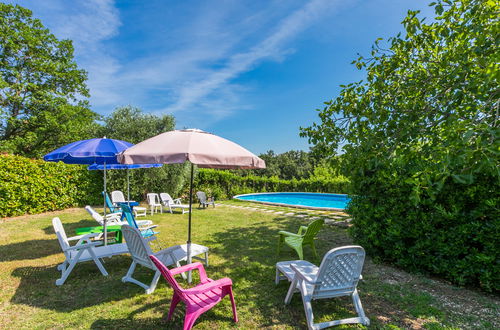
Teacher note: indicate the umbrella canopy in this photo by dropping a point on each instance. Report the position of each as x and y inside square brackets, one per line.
[193, 145]
[93, 151]
[122, 167]
[196, 146]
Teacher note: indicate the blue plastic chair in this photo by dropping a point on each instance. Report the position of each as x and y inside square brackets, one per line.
[129, 216]
[109, 204]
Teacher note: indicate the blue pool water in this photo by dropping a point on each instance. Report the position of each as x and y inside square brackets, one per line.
[306, 200]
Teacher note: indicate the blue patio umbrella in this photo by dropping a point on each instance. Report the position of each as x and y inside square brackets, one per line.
[122, 167]
[101, 151]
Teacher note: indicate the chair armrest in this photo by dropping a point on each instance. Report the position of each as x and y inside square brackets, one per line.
[147, 227]
[302, 229]
[143, 222]
[79, 237]
[287, 233]
[303, 276]
[226, 281]
[83, 246]
[188, 267]
[150, 238]
[113, 215]
[177, 201]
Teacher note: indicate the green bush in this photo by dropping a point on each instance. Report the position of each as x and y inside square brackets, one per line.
[34, 186]
[224, 184]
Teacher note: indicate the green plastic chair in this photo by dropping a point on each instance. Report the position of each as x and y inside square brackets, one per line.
[305, 236]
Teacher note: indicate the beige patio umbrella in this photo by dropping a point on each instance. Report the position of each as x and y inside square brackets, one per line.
[198, 147]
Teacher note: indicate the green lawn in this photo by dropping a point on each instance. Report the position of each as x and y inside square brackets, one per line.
[242, 246]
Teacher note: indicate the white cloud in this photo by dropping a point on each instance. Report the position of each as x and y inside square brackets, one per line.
[272, 47]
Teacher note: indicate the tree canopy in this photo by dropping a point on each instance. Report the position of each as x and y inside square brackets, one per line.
[131, 124]
[42, 91]
[420, 142]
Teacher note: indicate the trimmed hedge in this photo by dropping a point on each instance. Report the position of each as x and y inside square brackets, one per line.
[452, 233]
[29, 186]
[224, 185]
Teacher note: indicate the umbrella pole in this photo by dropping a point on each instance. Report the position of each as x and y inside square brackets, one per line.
[128, 189]
[189, 222]
[104, 222]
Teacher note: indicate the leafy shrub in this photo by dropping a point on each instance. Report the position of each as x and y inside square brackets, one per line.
[224, 184]
[420, 141]
[34, 186]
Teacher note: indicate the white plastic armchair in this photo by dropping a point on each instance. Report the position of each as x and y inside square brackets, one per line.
[204, 201]
[112, 218]
[83, 250]
[118, 197]
[337, 276]
[140, 252]
[167, 201]
[154, 202]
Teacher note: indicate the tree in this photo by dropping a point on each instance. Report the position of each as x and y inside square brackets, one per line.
[42, 91]
[420, 143]
[132, 125]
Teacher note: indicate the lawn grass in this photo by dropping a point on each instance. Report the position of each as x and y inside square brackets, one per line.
[242, 246]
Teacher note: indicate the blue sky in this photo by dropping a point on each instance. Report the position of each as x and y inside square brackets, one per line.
[250, 71]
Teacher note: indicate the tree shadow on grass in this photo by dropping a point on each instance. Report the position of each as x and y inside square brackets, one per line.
[29, 250]
[40, 248]
[70, 227]
[85, 286]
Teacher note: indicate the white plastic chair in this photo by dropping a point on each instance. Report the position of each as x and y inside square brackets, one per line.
[337, 276]
[167, 201]
[118, 197]
[204, 201]
[113, 218]
[154, 202]
[140, 252]
[83, 250]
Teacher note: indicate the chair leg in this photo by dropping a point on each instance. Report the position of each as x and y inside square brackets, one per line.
[359, 308]
[173, 304]
[68, 270]
[130, 271]
[233, 304]
[299, 251]
[190, 319]
[98, 263]
[314, 251]
[308, 310]
[154, 282]
[291, 290]
[280, 242]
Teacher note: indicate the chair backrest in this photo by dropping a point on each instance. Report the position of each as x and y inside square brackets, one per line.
[313, 229]
[339, 271]
[61, 234]
[137, 246]
[109, 204]
[129, 215]
[169, 277]
[117, 197]
[166, 198]
[97, 217]
[201, 196]
[152, 198]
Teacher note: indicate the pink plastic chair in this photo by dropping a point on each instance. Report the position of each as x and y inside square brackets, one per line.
[199, 299]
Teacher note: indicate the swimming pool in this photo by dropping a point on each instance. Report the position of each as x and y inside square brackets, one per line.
[318, 201]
